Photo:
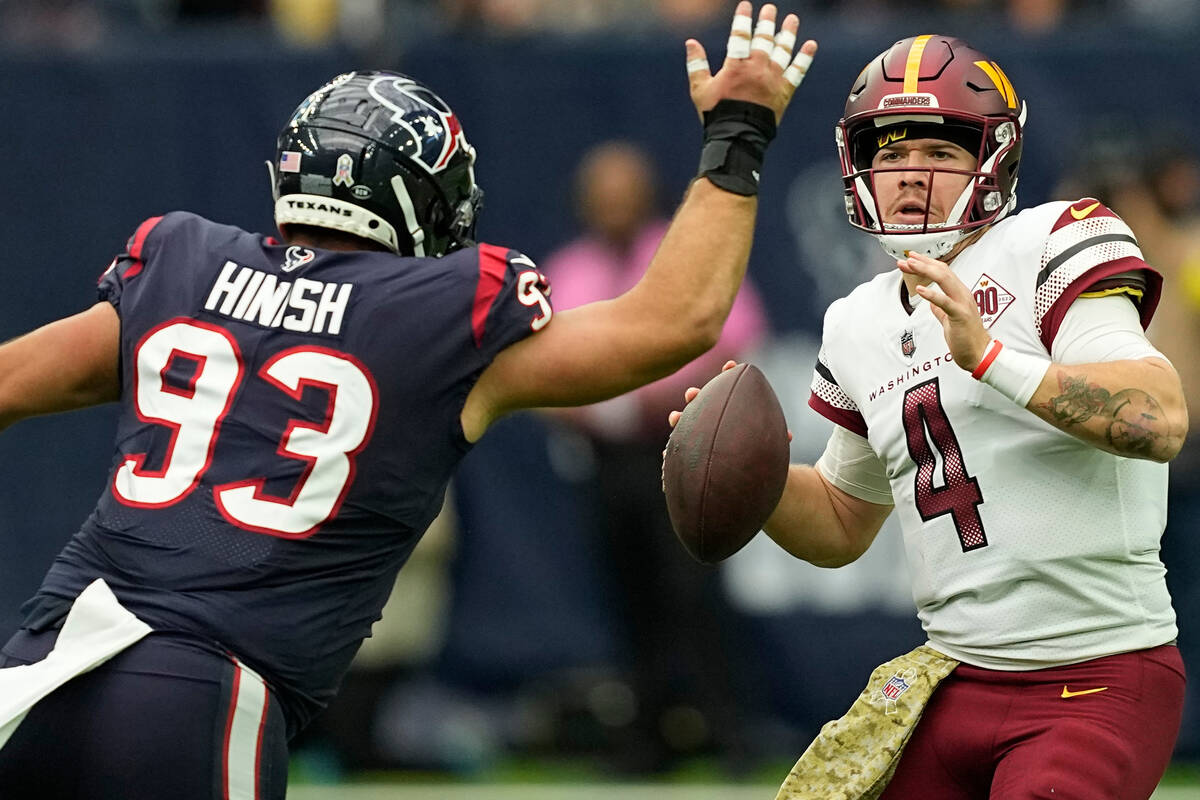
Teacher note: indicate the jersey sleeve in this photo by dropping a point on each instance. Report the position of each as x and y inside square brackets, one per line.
[512, 299]
[1098, 329]
[128, 264]
[851, 465]
[828, 398]
[1091, 252]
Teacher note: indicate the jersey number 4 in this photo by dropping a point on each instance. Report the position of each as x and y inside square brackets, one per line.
[194, 414]
[928, 431]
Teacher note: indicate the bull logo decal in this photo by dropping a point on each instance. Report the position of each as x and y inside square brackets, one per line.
[434, 129]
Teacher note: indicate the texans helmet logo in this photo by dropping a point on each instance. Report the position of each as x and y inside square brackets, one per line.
[430, 123]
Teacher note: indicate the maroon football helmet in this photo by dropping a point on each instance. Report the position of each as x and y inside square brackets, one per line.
[932, 87]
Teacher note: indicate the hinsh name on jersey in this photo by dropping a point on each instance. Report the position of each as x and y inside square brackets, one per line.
[304, 306]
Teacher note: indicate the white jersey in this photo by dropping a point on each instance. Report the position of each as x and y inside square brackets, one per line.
[1027, 547]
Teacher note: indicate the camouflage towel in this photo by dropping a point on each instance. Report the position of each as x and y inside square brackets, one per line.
[854, 757]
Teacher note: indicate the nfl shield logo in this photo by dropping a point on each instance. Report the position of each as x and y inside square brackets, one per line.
[907, 346]
[895, 687]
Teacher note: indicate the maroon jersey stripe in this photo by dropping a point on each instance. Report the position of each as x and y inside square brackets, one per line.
[1153, 290]
[1087, 208]
[847, 419]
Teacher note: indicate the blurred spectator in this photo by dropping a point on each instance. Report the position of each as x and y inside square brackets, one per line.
[360, 24]
[219, 9]
[306, 22]
[1165, 16]
[616, 195]
[673, 607]
[693, 15]
[1036, 16]
[52, 24]
[506, 17]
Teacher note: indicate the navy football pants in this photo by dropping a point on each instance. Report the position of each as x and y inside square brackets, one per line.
[166, 718]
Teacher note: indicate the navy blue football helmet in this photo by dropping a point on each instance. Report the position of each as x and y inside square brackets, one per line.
[381, 156]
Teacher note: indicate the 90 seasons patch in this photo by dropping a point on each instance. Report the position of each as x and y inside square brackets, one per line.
[992, 299]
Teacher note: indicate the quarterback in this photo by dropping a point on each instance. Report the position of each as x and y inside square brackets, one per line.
[998, 393]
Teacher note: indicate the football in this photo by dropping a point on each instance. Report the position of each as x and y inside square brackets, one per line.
[726, 464]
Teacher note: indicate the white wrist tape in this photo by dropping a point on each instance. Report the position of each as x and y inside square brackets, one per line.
[1014, 375]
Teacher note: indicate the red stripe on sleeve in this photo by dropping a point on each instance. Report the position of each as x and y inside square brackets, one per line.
[849, 420]
[493, 263]
[1054, 316]
[1087, 208]
[137, 242]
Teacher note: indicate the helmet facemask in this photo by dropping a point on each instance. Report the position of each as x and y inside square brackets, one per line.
[931, 87]
[988, 196]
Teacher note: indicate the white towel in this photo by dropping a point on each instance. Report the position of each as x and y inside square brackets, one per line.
[96, 629]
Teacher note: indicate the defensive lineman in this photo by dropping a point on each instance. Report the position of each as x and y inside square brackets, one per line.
[292, 411]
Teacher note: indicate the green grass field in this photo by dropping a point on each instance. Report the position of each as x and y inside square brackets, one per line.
[632, 791]
[1180, 783]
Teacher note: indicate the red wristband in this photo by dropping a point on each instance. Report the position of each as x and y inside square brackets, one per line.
[989, 355]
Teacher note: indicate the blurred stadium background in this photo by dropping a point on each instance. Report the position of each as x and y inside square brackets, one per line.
[505, 658]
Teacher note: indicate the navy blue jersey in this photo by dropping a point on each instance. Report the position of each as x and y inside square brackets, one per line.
[290, 420]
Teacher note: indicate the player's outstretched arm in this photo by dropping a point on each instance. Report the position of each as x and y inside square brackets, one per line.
[675, 313]
[67, 364]
[1131, 407]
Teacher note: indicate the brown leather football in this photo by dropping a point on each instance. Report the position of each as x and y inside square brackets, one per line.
[726, 464]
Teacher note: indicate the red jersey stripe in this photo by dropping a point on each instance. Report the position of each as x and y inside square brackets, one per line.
[849, 420]
[137, 242]
[493, 263]
[1086, 208]
[1149, 302]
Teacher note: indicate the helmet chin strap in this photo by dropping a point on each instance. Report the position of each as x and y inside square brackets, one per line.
[934, 245]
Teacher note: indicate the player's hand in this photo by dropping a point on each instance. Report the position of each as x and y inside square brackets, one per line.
[759, 66]
[689, 395]
[954, 306]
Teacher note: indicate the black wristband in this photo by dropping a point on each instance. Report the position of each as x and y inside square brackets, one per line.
[736, 135]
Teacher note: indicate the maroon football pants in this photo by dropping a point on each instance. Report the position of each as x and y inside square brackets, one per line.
[1099, 730]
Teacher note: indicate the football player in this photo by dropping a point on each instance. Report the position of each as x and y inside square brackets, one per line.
[997, 391]
[291, 412]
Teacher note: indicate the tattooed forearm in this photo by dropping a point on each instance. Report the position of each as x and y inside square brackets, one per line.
[1078, 401]
[1138, 423]
[1134, 422]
